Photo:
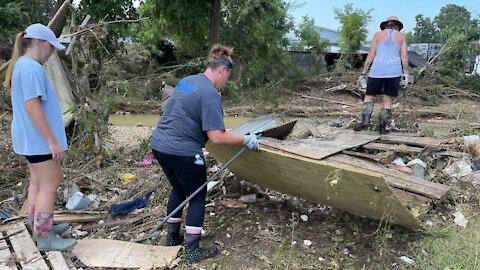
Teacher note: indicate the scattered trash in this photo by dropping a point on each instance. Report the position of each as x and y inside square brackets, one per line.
[11, 199]
[399, 161]
[211, 185]
[476, 165]
[78, 201]
[129, 206]
[307, 243]
[418, 168]
[459, 168]
[146, 161]
[128, 177]
[304, 217]
[250, 198]
[471, 138]
[79, 233]
[205, 152]
[429, 223]
[5, 214]
[231, 203]
[407, 260]
[460, 219]
[440, 164]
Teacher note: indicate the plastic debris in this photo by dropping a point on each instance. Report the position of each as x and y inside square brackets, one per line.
[304, 217]
[146, 161]
[5, 214]
[399, 161]
[460, 219]
[471, 138]
[127, 207]
[250, 198]
[459, 168]
[418, 168]
[407, 260]
[78, 201]
[128, 177]
[307, 243]
[211, 185]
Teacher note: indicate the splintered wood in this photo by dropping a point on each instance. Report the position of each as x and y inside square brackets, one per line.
[18, 251]
[351, 171]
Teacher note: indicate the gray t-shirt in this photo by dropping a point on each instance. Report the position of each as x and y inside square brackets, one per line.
[194, 108]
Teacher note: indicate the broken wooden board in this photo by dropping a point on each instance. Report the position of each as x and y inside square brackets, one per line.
[342, 186]
[113, 223]
[121, 254]
[76, 218]
[395, 178]
[406, 149]
[317, 149]
[25, 252]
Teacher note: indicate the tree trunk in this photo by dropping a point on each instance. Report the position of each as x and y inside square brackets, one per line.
[214, 23]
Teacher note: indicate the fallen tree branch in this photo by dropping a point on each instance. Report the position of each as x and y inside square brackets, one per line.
[324, 99]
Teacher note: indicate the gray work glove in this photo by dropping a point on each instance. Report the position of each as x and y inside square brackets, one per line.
[251, 142]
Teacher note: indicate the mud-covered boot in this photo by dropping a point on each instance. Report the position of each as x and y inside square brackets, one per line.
[385, 115]
[173, 234]
[366, 114]
[193, 252]
[59, 228]
[47, 240]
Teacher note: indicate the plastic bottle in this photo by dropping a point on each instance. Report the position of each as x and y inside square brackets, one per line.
[419, 171]
[363, 83]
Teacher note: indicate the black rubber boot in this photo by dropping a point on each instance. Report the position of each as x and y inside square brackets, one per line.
[193, 252]
[366, 115]
[385, 115]
[173, 235]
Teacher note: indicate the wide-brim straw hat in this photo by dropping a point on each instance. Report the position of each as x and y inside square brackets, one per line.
[392, 19]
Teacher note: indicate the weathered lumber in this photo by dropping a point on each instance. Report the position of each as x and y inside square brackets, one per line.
[341, 186]
[6, 257]
[326, 100]
[318, 149]
[395, 178]
[25, 249]
[406, 149]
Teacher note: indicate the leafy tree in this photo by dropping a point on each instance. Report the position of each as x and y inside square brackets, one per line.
[353, 31]
[182, 21]
[16, 15]
[310, 38]
[460, 32]
[425, 30]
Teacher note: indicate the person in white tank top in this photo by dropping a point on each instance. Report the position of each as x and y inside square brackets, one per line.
[389, 60]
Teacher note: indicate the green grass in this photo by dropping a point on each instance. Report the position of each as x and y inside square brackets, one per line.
[453, 248]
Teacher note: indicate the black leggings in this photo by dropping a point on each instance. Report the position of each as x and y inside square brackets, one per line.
[185, 178]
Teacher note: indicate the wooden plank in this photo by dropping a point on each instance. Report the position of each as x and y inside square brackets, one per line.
[114, 223]
[121, 254]
[412, 197]
[345, 187]
[395, 178]
[6, 257]
[25, 249]
[417, 141]
[317, 149]
[57, 261]
[406, 149]
[60, 218]
[280, 132]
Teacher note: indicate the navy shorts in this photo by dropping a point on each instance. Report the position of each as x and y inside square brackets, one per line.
[38, 158]
[386, 86]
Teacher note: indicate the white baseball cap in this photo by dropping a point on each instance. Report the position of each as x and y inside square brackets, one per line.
[40, 31]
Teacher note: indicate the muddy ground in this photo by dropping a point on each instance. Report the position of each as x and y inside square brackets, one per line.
[282, 232]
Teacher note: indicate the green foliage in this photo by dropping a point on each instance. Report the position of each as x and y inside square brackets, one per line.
[353, 30]
[425, 31]
[460, 32]
[110, 10]
[260, 53]
[310, 38]
[181, 21]
[16, 15]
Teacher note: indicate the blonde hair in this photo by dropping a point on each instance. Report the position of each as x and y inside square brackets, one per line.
[19, 48]
[220, 55]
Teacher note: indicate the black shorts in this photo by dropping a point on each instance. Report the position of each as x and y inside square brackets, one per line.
[386, 86]
[38, 158]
